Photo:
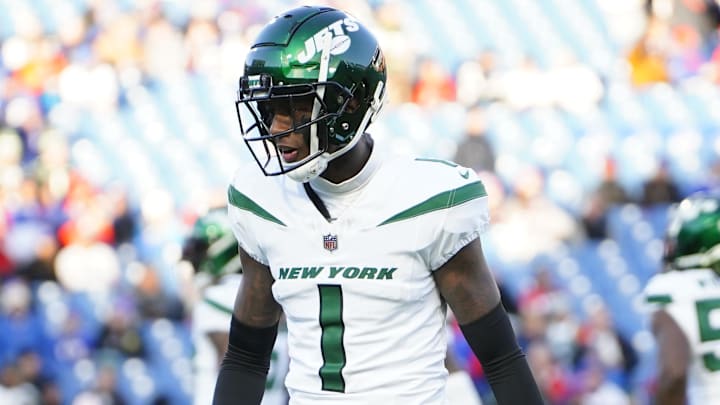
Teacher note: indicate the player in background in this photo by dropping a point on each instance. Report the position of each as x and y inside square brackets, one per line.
[362, 252]
[685, 299]
[212, 251]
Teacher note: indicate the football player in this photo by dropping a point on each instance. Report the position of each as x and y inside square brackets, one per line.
[686, 304]
[360, 250]
[212, 251]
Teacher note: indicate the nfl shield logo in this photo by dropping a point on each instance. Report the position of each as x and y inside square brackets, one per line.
[330, 242]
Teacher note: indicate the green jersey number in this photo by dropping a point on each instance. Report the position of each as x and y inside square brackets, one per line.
[331, 340]
[708, 332]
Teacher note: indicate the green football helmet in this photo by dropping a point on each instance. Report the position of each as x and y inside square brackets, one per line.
[693, 235]
[319, 56]
[211, 246]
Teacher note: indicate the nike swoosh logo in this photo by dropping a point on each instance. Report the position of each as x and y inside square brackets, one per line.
[465, 174]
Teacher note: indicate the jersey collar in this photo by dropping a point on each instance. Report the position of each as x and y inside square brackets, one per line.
[354, 183]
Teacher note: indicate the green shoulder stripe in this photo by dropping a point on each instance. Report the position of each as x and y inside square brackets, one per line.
[659, 299]
[446, 199]
[242, 201]
[220, 307]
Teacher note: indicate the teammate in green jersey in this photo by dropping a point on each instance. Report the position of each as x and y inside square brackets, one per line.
[686, 303]
[212, 252]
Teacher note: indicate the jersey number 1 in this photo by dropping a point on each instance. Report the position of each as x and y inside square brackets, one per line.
[331, 340]
[708, 332]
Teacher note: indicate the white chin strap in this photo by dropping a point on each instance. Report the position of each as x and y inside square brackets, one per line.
[309, 170]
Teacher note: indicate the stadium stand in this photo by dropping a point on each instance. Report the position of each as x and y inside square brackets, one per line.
[132, 101]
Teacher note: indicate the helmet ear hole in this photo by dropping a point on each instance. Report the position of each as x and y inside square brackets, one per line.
[353, 104]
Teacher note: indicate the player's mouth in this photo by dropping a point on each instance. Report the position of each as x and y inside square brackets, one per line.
[288, 154]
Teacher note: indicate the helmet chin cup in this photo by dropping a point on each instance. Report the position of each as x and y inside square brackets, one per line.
[309, 170]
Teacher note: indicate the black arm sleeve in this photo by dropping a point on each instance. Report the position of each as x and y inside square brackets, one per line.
[241, 380]
[493, 341]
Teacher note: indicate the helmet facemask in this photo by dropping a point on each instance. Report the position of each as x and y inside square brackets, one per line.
[258, 102]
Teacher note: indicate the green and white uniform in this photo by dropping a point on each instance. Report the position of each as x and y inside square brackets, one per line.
[212, 314]
[366, 324]
[692, 298]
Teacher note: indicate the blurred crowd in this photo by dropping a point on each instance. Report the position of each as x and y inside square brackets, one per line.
[76, 281]
[575, 360]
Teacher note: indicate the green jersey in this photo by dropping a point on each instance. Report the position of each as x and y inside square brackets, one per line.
[692, 298]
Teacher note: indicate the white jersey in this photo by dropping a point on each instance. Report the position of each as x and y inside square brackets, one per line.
[212, 314]
[692, 298]
[366, 323]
